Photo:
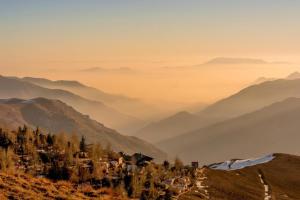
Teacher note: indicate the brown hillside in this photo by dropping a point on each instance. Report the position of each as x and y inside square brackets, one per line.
[55, 116]
[21, 186]
[281, 175]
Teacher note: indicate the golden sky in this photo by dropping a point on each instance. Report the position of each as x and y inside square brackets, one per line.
[57, 39]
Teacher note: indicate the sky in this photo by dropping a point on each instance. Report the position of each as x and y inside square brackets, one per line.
[59, 38]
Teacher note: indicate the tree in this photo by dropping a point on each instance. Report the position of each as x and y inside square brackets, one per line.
[37, 137]
[61, 141]
[50, 139]
[82, 145]
[178, 164]
[74, 143]
[5, 142]
[96, 152]
[166, 165]
[137, 183]
[58, 172]
[6, 160]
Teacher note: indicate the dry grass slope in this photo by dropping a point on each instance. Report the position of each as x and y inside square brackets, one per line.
[281, 174]
[21, 186]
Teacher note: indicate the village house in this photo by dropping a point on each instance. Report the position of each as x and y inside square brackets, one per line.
[181, 184]
[140, 159]
[195, 164]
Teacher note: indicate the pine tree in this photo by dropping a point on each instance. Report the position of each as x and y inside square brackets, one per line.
[50, 139]
[82, 145]
[166, 165]
[178, 164]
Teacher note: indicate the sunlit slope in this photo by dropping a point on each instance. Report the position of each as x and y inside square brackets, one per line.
[56, 117]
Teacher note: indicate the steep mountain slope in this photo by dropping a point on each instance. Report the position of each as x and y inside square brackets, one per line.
[253, 98]
[16, 88]
[56, 116]
[79, 88]
[261, 80]
[247, 100]
[131, 106]
[169, 127]
[294, 75]
[276, 179]
[272, 129]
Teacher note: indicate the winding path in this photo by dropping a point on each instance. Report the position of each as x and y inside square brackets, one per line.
[200, 183]
[266, 187]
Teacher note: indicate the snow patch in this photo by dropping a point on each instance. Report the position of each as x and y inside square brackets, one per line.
[239, 164]
[29, 101]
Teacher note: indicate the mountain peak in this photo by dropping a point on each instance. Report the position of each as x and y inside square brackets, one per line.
[228, 60]
[294, 75]
[72, 83]
[182, 114]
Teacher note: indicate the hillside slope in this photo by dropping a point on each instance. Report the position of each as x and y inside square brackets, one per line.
[56, 116]
[169, 127]
[23, 186]
[11, 87]
[248, 100]
[253, 98]
[271, 129]
[130, 106]
[277, 179]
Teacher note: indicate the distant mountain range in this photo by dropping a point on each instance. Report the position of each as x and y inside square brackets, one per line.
[294, 75]
[270, 129]
[79, 89]
[129, 106]
[261, 80]
[239, 61]
[106, 70]
[55, 116]
[253, 98]
[248, 100]
[226, 60]
[12, 87]
[169, 127]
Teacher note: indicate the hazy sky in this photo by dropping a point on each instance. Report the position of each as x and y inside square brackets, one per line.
[50, 38]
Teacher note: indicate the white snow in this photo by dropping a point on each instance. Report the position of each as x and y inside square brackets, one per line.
[29, 101]
[239, 164]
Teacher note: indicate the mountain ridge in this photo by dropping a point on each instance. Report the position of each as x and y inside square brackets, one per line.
[12, 87]
[271, 128]
[127, 105]
[228, 60]
[56, 116]
[245, 101]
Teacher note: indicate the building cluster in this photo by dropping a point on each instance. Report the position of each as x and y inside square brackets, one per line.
[58, 158]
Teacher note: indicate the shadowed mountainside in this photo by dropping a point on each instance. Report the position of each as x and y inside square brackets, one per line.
[11, 87]
[273, 128]
[130, 106]
[253, 98]
[56, 116]
[248, 100]
[169, 127]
